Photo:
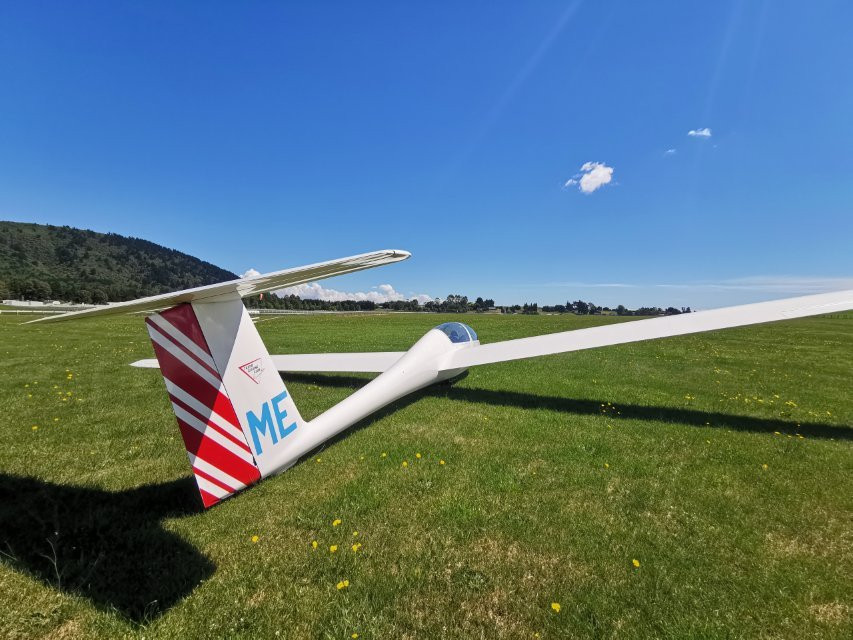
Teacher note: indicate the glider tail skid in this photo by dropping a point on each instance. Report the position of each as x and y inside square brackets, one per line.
[232, 407]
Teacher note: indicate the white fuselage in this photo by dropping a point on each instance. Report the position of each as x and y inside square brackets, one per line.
[421, 366]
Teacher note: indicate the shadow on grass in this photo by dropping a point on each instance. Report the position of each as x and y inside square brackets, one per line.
[692, 417]
[108, 547]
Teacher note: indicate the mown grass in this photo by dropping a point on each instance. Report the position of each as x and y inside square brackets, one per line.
[559, 473]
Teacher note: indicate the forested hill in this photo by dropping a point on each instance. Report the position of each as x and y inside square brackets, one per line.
[41, 262]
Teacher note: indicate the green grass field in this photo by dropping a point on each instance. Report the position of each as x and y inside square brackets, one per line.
[692, 487]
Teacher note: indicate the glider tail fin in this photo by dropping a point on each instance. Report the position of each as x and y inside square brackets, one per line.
[231, 405]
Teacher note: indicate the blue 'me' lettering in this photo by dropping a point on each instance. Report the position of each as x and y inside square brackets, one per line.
[280, 415]
[261, 425]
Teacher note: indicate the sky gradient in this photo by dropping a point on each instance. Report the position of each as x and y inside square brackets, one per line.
[521, 151]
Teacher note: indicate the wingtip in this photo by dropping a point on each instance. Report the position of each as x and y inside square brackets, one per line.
[148, 363]
[42, 319]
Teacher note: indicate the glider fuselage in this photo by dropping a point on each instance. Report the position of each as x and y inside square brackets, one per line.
[422, 365]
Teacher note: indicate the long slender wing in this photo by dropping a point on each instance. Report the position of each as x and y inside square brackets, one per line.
[244, 286]
[373, 362]
[653, 328]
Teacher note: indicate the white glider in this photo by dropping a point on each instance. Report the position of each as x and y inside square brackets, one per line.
[240, 425]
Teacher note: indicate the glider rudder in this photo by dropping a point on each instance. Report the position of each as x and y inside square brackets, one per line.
[232, 407]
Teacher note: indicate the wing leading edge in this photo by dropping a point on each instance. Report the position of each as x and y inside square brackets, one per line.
[653, 328]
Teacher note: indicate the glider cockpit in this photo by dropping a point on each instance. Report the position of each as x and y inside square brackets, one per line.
[458, 332]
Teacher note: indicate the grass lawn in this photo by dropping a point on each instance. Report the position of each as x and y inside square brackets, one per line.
[699, 486]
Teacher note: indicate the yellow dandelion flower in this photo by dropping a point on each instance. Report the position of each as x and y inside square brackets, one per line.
[441, 462]
[333, 548]
[405, 463]
[556, 607]
[354, 636]
[336, 522]
[319, 460]
[418, 456]
[35, 427]
[56, 419]
[355, 534]
[764, 466]
[255, 539]
[341, 585]
[314, 544]
[384, 455]
[356, 547]
[636, 563]
[606, 465]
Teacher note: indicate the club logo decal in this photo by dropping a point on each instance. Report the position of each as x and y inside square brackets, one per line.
[253, 369]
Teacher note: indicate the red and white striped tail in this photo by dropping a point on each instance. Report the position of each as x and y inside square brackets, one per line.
[203, 354]
[218, 451]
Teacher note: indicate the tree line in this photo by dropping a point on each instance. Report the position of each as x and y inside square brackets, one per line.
[35, 289]
[453, 303]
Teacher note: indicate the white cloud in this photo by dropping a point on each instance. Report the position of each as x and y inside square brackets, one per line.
[700, 133]
[380, 294]
[593, 175]
[670, 152]
[250, 273]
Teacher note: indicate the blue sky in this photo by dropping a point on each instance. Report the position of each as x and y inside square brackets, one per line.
[265, 135]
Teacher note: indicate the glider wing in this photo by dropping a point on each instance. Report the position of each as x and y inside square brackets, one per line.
[243, 286]
[653, 328]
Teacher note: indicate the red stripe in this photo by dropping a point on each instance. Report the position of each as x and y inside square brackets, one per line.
[179, 346]
[212, 480]
[199, 388]
[207, 499]
[206, 419]
[184, 320]
[224, 407]
[217, 455]
[176, 371]
[191, 382]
